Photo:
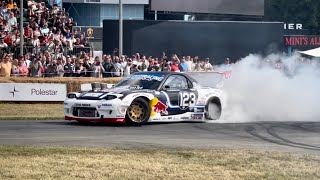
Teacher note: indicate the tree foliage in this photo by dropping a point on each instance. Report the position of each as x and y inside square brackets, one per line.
[306, 12]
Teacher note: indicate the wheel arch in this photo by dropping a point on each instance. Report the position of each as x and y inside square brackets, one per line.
[131, 97]
[215, 100]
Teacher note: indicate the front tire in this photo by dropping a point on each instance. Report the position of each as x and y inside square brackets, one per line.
[138, 113]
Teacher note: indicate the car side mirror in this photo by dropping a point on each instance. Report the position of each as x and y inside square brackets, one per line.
[166, 87]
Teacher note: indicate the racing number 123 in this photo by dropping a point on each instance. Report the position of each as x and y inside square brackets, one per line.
[187, 99]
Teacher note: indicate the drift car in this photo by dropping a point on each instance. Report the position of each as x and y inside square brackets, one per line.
[147, 97]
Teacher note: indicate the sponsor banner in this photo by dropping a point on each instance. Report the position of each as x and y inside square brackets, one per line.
[32, 92]
[91, 32]
[302, 41]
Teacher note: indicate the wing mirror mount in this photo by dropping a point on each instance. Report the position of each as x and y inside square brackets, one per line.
[166, 87]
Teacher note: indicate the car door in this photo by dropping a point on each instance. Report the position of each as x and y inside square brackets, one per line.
[178, 94]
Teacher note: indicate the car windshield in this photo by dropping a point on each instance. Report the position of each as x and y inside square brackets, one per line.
[142, 81]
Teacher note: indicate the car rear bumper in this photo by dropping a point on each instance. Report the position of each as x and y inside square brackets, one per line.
[107, 120]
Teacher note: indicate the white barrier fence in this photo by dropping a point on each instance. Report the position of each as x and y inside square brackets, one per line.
[32, 92]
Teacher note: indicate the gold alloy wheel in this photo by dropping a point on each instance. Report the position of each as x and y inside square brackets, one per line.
[136, 112]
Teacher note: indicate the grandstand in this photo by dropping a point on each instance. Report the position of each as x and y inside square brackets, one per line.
[46, 28]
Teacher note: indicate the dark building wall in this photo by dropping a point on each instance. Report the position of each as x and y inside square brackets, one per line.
[216, 40]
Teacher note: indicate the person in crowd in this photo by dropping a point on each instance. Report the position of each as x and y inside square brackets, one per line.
[69, 68]
[183, 66]
[207, 66]
[12, 21]
[134, 68]
[116, 71]
[36, 68]
[108, 66]
[153, 65]
[10, 4]
[28, 32]
[189, 61]
[15, 38]
[15, 68]
[5, 66]
[51, 70]
[143, 64]
[60, 67]
[23, 70]
[80, 69]
[174, 67]
[3, 44]
[97, 68]
[227, 61]
[127, 68]
[26, 59]
[165, 65]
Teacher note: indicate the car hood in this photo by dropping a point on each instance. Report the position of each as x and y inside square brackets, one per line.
[97, 95]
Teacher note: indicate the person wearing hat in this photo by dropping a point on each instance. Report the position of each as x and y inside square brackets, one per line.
[55, 8]
[207, 66]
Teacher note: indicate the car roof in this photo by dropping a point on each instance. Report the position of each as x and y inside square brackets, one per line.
[166, 73]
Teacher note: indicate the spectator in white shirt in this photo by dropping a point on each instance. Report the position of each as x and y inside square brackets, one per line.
[3, 44]
[207, 65]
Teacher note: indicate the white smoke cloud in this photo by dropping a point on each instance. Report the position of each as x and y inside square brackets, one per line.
[259, 92]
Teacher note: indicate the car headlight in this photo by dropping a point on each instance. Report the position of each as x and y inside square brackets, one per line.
[72, 96]
[110, 97]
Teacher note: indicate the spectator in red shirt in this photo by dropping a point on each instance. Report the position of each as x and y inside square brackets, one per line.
[174, 66]
[28, 32]
[7, 38]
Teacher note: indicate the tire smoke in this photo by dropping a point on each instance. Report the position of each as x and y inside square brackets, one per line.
[272, 88]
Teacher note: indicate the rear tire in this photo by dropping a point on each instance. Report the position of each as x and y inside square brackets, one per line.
[138, 113]
[213, 109]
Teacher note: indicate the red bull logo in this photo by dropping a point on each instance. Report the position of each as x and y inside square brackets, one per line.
[160, 108]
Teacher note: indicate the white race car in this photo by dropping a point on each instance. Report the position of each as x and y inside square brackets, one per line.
[147, 97]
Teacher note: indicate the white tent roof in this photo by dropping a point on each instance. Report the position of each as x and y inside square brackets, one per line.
[312, 52]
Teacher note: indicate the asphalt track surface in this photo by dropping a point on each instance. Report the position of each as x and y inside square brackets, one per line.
[297, 137]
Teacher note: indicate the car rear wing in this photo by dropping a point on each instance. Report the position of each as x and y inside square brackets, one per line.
[213, 79]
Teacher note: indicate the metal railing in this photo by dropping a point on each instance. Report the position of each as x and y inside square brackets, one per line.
[15, 51]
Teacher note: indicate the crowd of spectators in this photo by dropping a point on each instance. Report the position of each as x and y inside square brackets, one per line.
[47, 35]
[85, 65]
[48, 31]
